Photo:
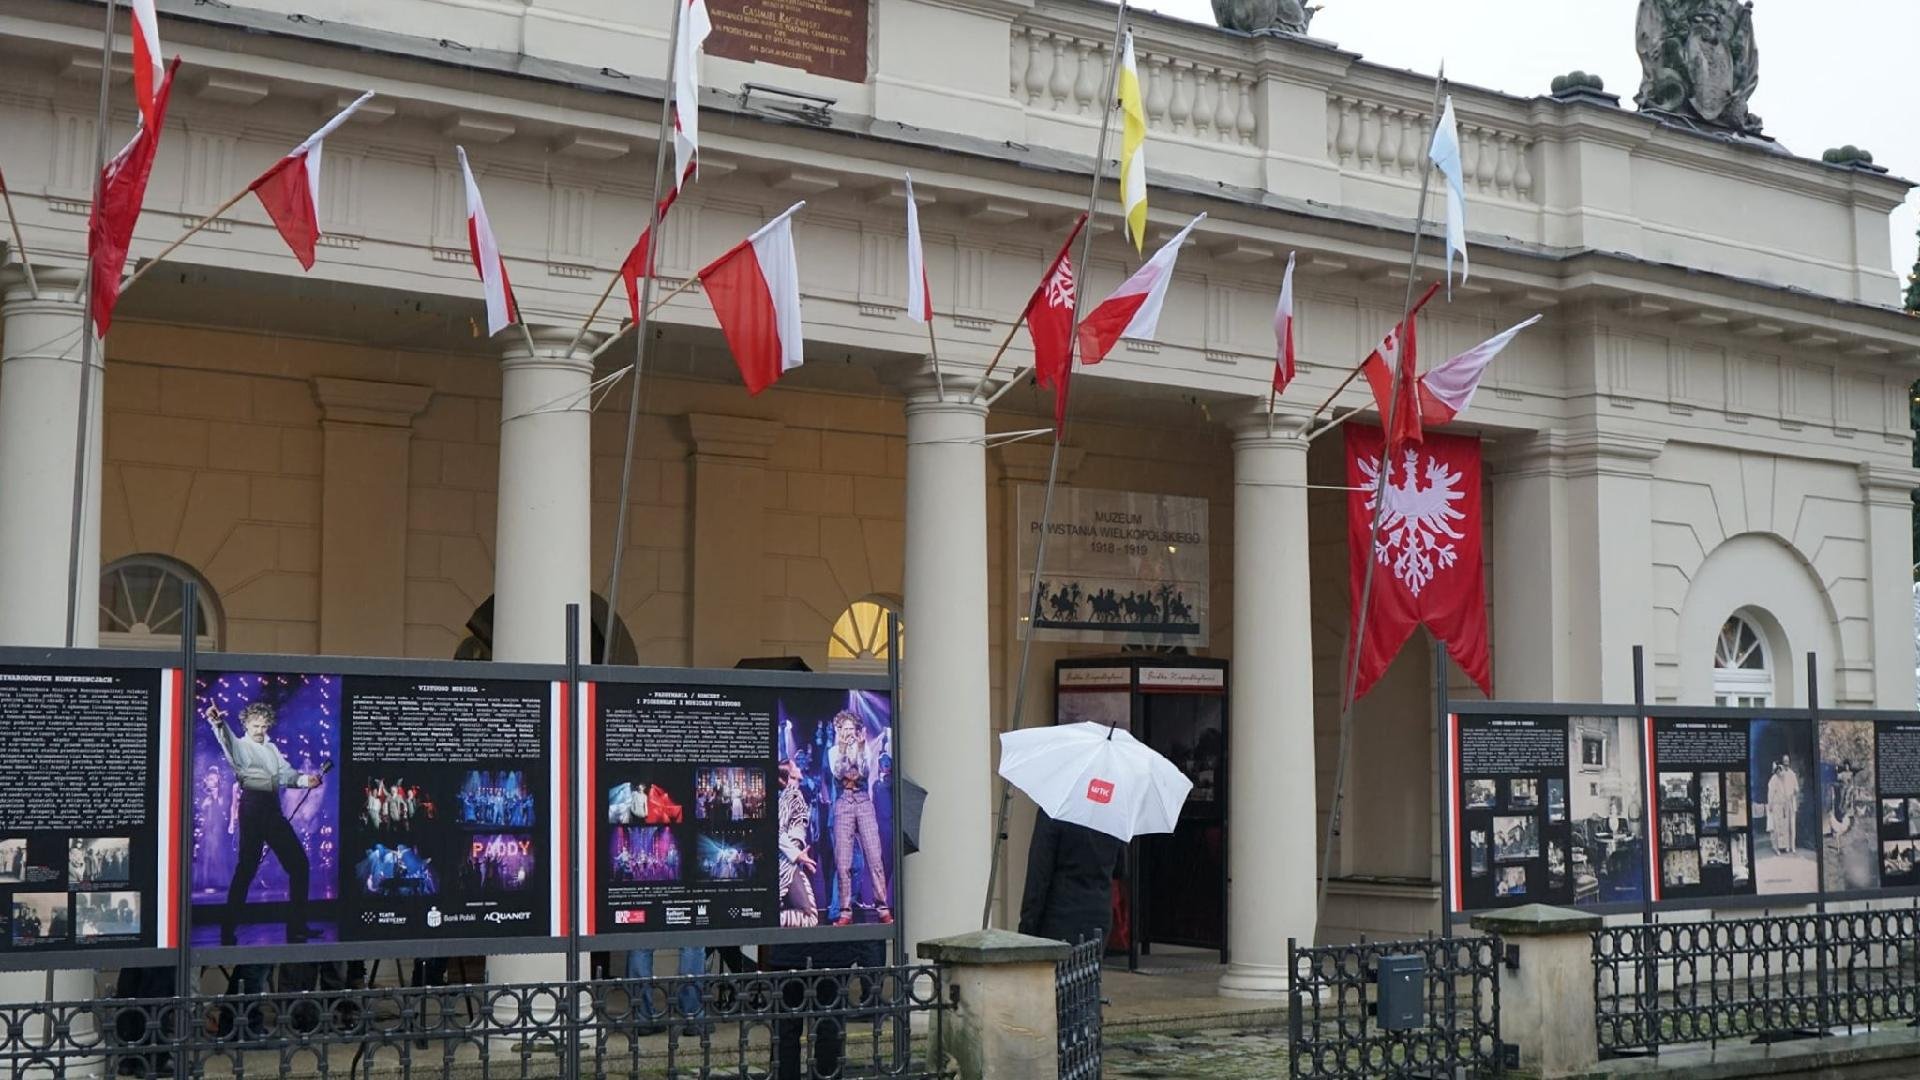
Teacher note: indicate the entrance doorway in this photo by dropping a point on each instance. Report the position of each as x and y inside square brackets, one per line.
[1175, 892]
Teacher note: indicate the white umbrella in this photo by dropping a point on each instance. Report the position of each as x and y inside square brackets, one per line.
[1097, 776]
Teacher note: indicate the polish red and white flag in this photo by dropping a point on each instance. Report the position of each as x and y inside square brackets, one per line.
[1447, 390]
[1049, 319]
[1133, 311]
[695, 25]
[1399, 351]
[1283, 362]
[501, 310]
[148, 69]
[755, 292]
[290, 190]
[640, 261]
[919, 297]
[122, 192]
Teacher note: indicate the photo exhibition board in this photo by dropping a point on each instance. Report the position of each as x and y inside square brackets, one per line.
[1736, 810]
[361, 808]
[729, 807]
[88, 810]
[1546, 809]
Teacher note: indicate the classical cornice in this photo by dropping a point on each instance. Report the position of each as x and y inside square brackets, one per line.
[369, 403]
[1601, 452]
[1026, 463]
[1888, 485]
[741, 438]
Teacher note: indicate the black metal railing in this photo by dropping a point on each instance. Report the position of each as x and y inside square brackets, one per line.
[854, 1023]
[1334, 1021]
[1760, 979]
[1076, 995]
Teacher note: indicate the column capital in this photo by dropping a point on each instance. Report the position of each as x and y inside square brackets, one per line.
[1599, 452]
[1543, 453]
[915, 378]
[741, 437]
[1888, 485]
[927, 401]
[553, 346]
[1252, 427]
[1026, 463]
[59, 285]
[364, 401]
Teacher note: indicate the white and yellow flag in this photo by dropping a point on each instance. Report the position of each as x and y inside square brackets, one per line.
[1133, 153]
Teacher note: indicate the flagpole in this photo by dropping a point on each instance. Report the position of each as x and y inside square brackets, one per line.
[1357, 646]
[1053, 464]
[186, 236]
[83, 424]
[933, 350]
[656, 306]
[998, 353]
[1012, 381]
[587, 323]
[19, 245]
[645, 316]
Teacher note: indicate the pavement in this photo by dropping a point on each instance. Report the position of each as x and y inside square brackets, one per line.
[1167, 1021]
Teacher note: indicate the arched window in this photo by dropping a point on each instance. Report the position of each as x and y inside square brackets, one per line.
[479, 642]
[858, 641]
[1742, 665]
[142, 602]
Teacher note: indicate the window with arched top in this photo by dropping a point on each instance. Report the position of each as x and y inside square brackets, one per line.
[478, 644]
[143, 603]
[858, 641]
[1742, 665]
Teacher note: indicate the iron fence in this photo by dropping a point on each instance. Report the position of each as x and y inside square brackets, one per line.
[849, 1024]
[1076, 994]
[1760, 979]
[1334, 1021]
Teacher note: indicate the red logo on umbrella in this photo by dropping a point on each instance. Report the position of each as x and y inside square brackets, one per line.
[1100, 791]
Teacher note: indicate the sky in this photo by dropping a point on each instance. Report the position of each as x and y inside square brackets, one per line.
[1832, 72]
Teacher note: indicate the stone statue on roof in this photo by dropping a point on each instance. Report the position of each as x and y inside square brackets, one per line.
[1699, 61]
[1252, 16]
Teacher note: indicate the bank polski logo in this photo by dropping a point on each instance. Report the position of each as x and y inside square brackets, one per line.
[433, 918]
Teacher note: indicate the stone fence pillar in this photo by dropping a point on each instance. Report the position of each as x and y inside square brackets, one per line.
[1004, 1024]
[1546, 1003]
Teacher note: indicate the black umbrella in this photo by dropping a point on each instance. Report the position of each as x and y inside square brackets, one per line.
[913, 803]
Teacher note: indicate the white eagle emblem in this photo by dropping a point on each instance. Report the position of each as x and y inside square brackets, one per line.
[1417, 530]
[1060, 286]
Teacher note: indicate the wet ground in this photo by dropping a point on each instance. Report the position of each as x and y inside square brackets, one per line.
[1214, 1055]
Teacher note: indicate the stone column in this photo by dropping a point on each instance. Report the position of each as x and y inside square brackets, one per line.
[366, 427]
[946, 707]
[1022, 465]
[39, 407]
[1004, 1026]
[1547, 1005]
[1889, 497]
[39, 410]
[1272, 808]
[729, 499]
[1526, 535]
[543, 539]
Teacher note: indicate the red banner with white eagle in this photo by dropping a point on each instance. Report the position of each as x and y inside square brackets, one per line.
[1429, 568]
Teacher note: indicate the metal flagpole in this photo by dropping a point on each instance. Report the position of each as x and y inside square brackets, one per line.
[19, 244]
[1356, 647]
[1053, 464]
[83, 425]
[667, 105]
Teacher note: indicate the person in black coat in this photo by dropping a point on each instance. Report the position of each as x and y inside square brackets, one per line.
[823, 997]
[1070, 870]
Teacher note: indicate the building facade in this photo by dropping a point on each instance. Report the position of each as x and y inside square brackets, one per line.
[1704, 449]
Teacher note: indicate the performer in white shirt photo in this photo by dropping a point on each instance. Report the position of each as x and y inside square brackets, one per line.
[263, 772]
